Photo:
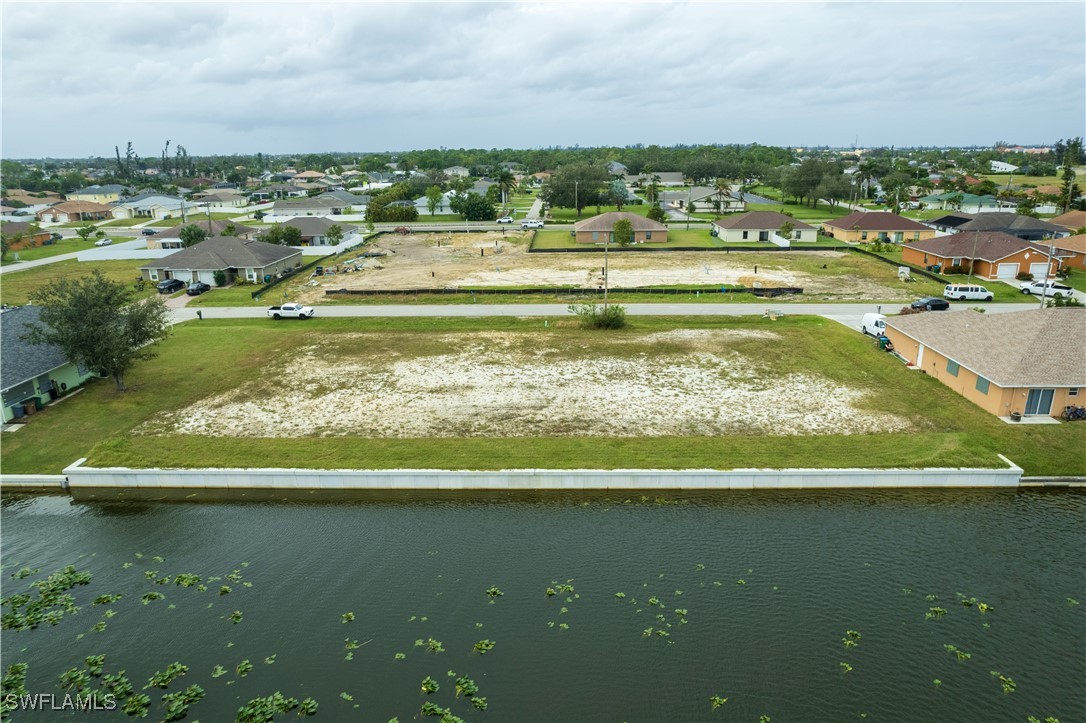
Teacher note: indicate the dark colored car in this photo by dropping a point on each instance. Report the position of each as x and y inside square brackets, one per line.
[169, 286]
[148, 232]
[931, 303]
[197, 287]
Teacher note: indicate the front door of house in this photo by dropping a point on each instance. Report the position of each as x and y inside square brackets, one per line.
[1039, 401]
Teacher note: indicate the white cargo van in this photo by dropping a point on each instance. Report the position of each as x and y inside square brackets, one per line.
[964, 293]
[873, 324]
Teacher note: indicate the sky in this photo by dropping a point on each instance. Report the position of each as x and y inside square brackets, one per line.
[239, 77]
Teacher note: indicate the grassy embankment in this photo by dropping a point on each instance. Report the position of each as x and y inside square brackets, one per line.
[949, 431]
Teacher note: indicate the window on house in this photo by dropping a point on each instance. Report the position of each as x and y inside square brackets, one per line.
[648, 235]
[595, 235]
[863, 235]
[1072, 392]
[898, 236]
[956, 261]
[916, 236]
[153, 274]
[982, 385]
[882, 235]
[745, 233]
[952, 367]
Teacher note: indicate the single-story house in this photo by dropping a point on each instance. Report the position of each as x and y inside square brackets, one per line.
[457, 172]
[1002, 167]
[315, 230]
[1071, 250]
[617, 169]
[308, 176]
[223, 199]
[357, 202]
[761, 226]
[254, 261]
[32, 374]
[171, 237]
[1072, 220]
[967, 202]
[666, 178]
[75, 211]
[876, 226]
[278, 190]
[20, 233]
[149, 205]
[1024, 227]
[422, 204]
[308, 207]
[1021, 361]
[99, 193]
[997, 255]
[703, 198]
[599, 229]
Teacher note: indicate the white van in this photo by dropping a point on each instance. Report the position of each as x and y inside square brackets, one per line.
[963, 293]
[873, 324]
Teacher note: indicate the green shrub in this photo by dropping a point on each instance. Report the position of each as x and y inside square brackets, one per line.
[596, 316]
[1025, 276]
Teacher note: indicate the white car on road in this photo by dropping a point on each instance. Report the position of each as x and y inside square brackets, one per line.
[531, 223]
[103, 242]
[1038, 288]
[505, 219]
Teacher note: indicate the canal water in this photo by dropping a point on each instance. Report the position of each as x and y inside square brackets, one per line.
[755, 594]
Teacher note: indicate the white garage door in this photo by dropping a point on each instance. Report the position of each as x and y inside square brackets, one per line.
[1038, 270]
[1007, 271]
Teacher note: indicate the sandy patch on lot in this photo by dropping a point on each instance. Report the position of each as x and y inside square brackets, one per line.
[449, 261]
[511, 385]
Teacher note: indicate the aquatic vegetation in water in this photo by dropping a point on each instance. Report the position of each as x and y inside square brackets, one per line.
[148, 597]
[99, 627]
[346, 696]
[347, 617]
[24, 573]
[225, 590]
[763, 719]
[177, 704]
[163, 678]
[962, 655]
[467, 686]
[740, 581]
[399, 656]
[236, 617]
[270, 660]
[218, 671]
[74, 677]
[563, 626]
[851, 639]
[845, 667]
[620, 595]
[1007, 683]
[264, 710]
[716, 701]
[429, 685]
[984, 607]
[551, 592]
[434, 646]
[933, 613]
[484, 646]
[479, 703]
[1048, 719]
[493, 592]
[106, 599]
[22, 612]
[118, 684]
[186, 579]
[244, 667]
[907, 590]
[308, 706]
[655, 601]
[94, 664]
[937, 682]
[137, 705]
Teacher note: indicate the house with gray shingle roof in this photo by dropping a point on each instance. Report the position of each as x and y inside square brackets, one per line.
[1029, 362]
[171, 237]
[308, 207]
[32, 374]
[235, 257]
[1024, 227]
[761, 226]
[987, 254]
[315, 229]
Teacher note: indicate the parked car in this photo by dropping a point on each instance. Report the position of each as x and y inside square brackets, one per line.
[1038, 287]
[962, 293]
[873, 324]
[148, 232]
[532, 223]
[931, 303]
[55, 236]
[505, 219]
[289, 311]
[169, 286]
[103, 242]
[197, 287]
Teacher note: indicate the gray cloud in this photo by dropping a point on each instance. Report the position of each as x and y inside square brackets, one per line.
[218, 78]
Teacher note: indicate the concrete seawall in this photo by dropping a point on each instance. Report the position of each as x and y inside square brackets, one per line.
[120, 478]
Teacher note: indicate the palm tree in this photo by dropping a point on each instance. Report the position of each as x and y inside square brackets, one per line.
[723, 190]
[652, 191]
[507, 182]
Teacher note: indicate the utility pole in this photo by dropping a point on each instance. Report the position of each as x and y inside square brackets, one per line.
[973, 259]
[575, 206]
[1048, 269]
[606, 244]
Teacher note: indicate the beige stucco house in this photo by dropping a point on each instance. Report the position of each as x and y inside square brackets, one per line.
[599, 229]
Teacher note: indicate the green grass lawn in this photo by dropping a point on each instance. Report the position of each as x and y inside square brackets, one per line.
[569, 215]
[195, 218]
[947, 430]
[17, 287]
[1017, 179]
[560, 239]
[127, 222]
[64, 246]
[438, 218]
[1002, 292]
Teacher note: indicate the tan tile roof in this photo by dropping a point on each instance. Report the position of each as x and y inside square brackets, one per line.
[606, 222]
[762, 220]
[1073, 220]
[875, 221]
[1071, 243]
[990, 245]
[1036, 348]
[79, 207]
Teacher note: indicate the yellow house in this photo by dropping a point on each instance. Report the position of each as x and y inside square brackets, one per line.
[865, 227]
[98, 194]
[1025, 362]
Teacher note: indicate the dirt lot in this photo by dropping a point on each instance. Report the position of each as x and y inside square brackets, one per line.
[494, 259]
[503, 384]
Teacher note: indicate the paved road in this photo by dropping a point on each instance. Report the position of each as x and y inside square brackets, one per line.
[848, 314]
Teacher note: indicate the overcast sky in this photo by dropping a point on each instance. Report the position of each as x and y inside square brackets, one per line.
[79, 78]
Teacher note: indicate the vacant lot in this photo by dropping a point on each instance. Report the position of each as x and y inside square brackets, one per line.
[494, 259]
[667, 393]
[17, 287]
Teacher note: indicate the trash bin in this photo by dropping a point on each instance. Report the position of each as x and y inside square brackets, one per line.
[17, 410]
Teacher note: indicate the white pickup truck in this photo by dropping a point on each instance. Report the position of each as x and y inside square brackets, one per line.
[289, 311]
